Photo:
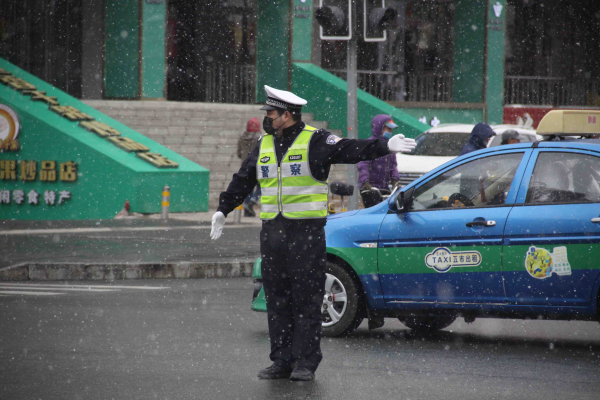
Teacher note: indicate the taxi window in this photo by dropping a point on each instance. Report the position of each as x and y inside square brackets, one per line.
[446, 144]
[480, 183]
[564, 178]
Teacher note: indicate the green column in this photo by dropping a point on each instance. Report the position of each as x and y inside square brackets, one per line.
[302, 35]
[495, 61]
[272, 46]
[153, 49]
[121, 54]
[469, 50]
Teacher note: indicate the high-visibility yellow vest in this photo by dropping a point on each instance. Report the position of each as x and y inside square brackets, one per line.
[290, 189]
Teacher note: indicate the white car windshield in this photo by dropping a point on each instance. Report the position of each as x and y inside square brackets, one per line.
[445, 144]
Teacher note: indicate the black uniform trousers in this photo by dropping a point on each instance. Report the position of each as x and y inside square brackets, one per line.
[293, 273]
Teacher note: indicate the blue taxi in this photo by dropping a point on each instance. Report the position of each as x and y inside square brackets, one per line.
[508, 232]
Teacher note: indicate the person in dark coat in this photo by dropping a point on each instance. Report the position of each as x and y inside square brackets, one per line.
[246, 143]
[478, 140]
[378, 173]
[248, 140]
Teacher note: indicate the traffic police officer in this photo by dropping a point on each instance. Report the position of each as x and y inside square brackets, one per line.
[291, 164]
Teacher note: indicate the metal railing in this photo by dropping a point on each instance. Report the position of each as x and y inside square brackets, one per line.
[429, 87]
[230, 83]
[394, 86]
[537, 90]
[384, 85]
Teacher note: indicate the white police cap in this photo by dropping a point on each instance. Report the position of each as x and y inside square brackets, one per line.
[281, 99]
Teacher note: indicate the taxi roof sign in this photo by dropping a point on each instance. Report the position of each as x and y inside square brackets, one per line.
[570, 123]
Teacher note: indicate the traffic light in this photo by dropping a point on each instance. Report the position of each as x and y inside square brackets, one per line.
[377, 19]
[335, 18]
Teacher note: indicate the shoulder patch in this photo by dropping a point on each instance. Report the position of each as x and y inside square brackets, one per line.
[296, 157]
[265, 159]
[333, 139]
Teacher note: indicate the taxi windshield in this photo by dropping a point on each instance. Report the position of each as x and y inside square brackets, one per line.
[445, 144]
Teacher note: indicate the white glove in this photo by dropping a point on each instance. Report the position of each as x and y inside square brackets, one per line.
[400, 144]
[218, 221]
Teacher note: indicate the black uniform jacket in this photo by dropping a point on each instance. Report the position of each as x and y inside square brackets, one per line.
[324, 150]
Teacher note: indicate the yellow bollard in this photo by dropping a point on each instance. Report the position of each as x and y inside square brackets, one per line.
[237, 215]
[166, 199]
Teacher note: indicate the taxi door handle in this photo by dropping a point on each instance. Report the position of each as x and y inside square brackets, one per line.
[482, 223]
[596, 220]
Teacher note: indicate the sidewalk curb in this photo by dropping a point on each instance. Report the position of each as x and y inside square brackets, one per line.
[112, 272]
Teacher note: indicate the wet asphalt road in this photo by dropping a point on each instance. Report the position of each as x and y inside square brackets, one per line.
[198, 339]
[123, 241]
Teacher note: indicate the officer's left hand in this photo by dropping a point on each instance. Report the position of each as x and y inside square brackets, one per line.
[400, 144]
[218, 222]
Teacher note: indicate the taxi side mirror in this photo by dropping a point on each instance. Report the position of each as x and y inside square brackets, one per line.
[399, 202]
[402, 201]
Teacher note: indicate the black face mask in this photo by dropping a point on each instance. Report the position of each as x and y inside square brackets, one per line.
[268, 125]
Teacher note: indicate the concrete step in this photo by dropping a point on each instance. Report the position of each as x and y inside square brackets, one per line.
[205, 133]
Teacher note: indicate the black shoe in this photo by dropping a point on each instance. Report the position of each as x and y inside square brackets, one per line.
[275, 371]
[302, 374]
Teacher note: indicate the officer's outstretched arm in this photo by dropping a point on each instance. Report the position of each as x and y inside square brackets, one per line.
[218, 222]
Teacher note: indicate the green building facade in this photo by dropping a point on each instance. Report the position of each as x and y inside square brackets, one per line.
[476, 56]
[227, 52]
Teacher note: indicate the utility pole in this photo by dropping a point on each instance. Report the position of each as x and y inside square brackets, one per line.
[352, 109]
[339, 21]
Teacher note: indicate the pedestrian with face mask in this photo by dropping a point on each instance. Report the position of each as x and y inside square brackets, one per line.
[246, 143]
[381, 172]
[291, 163]
[480, 135]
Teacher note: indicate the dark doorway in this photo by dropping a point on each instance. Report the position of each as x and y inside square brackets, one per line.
[44, 38]
[211, 51]
[552, 52]
[414, 63]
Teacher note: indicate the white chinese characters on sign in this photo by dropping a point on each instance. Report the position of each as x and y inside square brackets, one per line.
[32, 197]
[63, 195]
[18, 197]
[49, 197]
[5, 196]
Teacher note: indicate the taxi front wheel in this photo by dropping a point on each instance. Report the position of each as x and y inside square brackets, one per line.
[427, 323]
[341, 303]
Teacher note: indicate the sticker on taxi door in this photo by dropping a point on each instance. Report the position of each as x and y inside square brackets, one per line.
[442, 259]
[541, 264]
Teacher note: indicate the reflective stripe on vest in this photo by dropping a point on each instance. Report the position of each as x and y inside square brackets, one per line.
[290, 188]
